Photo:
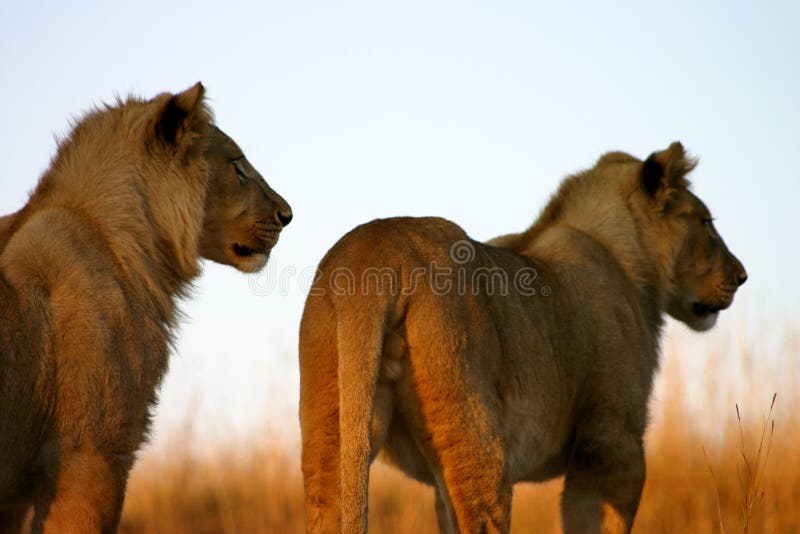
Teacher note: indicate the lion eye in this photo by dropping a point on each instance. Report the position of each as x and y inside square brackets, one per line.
[708, 223]
[240, 172]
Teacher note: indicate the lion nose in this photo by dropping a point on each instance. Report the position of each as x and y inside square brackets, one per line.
[736, 267]
[284, 215]
[741, 277]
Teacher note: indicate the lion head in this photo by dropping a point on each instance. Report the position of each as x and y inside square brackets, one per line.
[659, 232]
[243, 216]
[701, 272]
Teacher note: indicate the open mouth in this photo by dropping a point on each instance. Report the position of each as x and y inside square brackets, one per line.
[262, 246]
[243, 251]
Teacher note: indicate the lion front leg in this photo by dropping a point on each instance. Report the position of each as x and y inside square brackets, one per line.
[603, 486]
[84, 495]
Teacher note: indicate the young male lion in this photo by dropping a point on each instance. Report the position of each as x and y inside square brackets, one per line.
[89, 272]
[473, 366]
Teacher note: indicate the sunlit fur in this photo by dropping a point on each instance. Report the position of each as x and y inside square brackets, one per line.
[89, 272]
[472, 390]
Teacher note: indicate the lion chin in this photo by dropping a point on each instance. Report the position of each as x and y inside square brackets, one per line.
[705, 314]
[249, 260]
[697, 314]
[254, 263]
[704, 322]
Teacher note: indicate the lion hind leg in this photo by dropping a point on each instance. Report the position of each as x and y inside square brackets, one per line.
[12, 518]
[462, 444]
[603, 486]
[320, 461]
[319, 417]
[345, 412]
[478, 492]
[448, 524]
[475, 495]
[85, 497]
[360, 339]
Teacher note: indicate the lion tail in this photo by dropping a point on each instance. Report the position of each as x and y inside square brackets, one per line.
[360, 335]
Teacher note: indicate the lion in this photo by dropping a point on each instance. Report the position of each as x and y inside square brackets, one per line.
[472, 366]
[90, 269]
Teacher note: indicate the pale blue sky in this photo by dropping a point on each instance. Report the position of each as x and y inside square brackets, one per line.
[472, 111]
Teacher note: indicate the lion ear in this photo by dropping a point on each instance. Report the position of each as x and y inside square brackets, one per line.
[180, 115]
[666, 170]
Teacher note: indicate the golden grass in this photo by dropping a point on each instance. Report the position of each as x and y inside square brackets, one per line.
[719, 459]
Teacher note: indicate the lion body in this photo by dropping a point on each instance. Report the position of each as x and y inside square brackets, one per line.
[89, 272]
[493, 378]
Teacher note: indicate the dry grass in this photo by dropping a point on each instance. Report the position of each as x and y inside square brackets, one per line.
[720, 459]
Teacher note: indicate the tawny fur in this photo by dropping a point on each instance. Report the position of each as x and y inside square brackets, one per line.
[89, 272]
[471, 387]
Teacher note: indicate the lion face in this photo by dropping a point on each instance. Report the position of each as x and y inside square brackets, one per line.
[704, 275]
[243, 215]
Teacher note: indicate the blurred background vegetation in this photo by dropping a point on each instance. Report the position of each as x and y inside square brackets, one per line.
[721, 459]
